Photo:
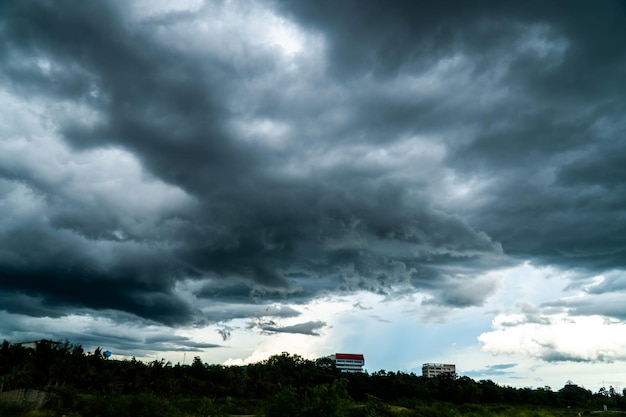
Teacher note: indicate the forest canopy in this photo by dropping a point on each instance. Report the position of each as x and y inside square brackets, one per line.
[88, 383]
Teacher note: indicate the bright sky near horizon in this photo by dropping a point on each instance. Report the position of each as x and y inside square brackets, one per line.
[415, 181]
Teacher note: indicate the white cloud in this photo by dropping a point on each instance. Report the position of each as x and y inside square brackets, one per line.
[559, 337]
[148, 9]
[538, 316]
[234, 31]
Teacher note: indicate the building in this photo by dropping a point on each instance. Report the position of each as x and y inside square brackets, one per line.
[349, 362]
[430, 370]
[34, 343]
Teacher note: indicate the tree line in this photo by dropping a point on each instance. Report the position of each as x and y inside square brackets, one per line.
[282, 385]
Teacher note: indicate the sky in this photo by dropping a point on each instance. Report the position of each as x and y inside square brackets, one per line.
[415, 181]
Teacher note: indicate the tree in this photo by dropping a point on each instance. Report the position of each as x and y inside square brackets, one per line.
[573, 395]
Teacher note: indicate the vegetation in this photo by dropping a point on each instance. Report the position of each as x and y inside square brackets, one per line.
[84, 384]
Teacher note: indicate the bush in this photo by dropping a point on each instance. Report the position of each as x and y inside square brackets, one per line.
[372, 408]
[140, 405]
[9, 409]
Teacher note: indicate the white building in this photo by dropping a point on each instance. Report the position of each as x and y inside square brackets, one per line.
[34, 343]
[349, 362]
[430, 370]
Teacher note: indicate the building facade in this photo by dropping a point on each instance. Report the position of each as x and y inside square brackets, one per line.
[430, 370]
[34, 343]
[349, 362]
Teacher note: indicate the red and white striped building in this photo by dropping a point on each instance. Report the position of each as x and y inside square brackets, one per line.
[349, 362]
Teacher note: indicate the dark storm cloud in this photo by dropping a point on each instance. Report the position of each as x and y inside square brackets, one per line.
[224, 311]
[121, 333]
[245, 291]
[560, 115]
[559, 194]
[130, 345]
[165, 108]
[58, 276]
[284, 186]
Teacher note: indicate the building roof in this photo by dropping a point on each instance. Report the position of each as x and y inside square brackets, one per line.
[438, 364]
[352, 356]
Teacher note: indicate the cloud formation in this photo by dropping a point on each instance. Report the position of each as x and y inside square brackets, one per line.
[309, 328]
[490, 371]
[558, 338]
[203, 162]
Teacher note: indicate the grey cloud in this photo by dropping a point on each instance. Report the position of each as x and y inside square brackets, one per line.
[310, 328]
[225, 332]
[464, 291]
[380, 38]
[491, 371]
[224, 311]
[502, 366]
[129, 346]
[351, 187]
[613, 281]
[380, 319]
[607, 282]
[603, 168]
[556, 112]
[606, 304]
[121, 333]
[556, 356]
[28, 305]
[177, 343]
[58, 276]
